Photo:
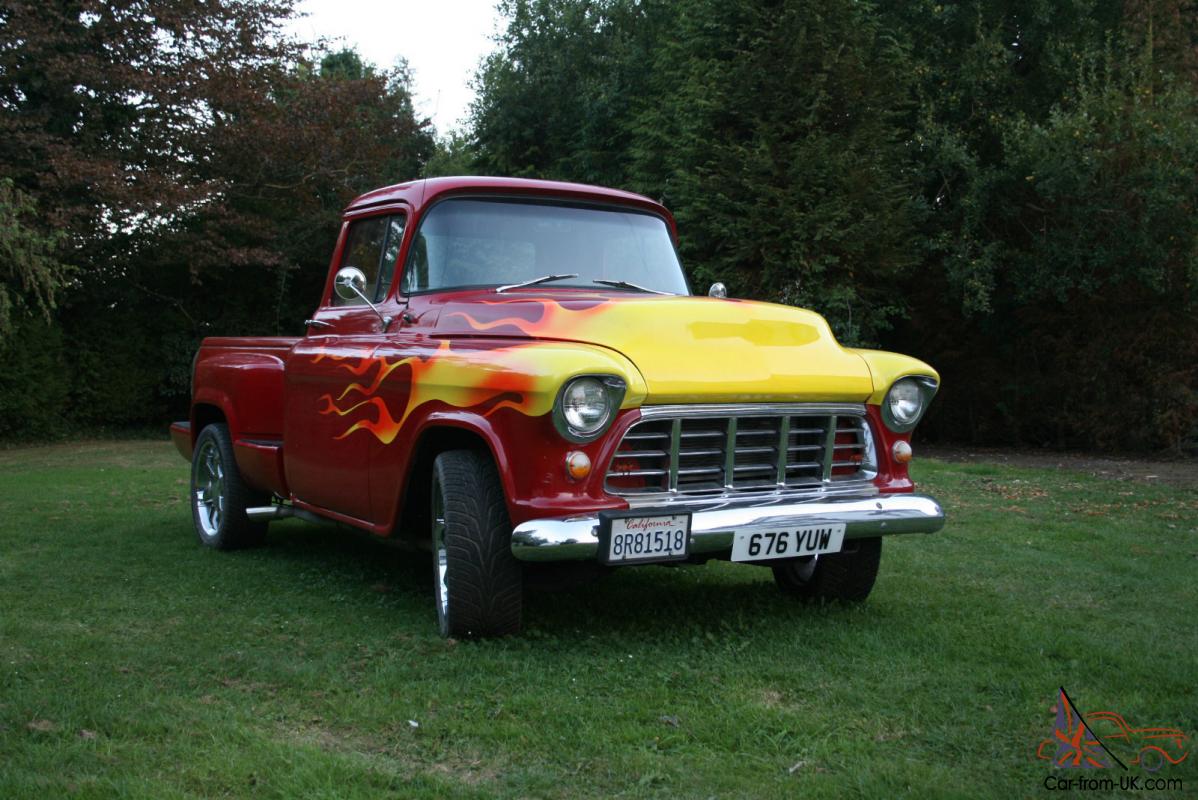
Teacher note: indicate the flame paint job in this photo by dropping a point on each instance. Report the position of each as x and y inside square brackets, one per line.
[521, 375]
[335, 421]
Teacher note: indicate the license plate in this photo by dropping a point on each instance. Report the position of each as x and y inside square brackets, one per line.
[643, 538]
[809, 540]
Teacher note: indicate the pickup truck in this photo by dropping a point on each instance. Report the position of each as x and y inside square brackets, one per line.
[516, 376]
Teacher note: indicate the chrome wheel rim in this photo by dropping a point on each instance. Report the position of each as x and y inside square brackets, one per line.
[208, 489]
[440, 559]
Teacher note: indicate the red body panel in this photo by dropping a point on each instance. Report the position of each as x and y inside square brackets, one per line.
[262, 465]
[288, 401]
[181, 438]
[244, 379]
[892, 476]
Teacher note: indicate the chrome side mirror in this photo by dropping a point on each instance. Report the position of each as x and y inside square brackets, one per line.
[718, 290]
[350, 284]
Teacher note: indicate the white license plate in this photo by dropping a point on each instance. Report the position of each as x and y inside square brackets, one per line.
[808, 540]
[644, 539]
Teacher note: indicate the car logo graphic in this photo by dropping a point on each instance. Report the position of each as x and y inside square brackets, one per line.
[1091, 742]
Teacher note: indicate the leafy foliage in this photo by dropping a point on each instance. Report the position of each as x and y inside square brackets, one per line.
[189, 163]
[1056, 156]
[30, 274]
[1006, 190]
[767, 128]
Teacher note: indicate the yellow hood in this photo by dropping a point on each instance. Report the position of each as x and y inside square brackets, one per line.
[688, 349]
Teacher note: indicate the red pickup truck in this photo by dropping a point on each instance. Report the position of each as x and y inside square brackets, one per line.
[515, 374]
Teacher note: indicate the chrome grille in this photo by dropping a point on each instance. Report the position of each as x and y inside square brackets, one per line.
[706, 450]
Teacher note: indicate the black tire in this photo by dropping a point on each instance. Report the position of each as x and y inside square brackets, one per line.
[478, 583]
[848, 577]
[219, 496]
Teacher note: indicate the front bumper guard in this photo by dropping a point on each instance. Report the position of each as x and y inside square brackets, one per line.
[712, 529]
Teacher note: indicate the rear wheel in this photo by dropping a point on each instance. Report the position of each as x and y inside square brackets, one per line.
[219, 497]
[848, 577]
[477, 581]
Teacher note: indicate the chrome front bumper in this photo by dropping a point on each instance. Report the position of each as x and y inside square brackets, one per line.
[712, 528]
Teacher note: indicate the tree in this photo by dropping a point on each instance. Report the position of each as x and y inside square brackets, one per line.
[1055, 153]
[30, 274]
[1005, 189]
[107, 108]
[252, 261]
[771, 130]
[189, 162]
[768, 128]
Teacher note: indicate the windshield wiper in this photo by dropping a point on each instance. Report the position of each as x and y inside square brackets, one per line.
[628, 285]
[534, 282]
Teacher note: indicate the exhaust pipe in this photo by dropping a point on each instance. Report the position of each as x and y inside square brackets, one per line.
[281, 511]
[266, 513]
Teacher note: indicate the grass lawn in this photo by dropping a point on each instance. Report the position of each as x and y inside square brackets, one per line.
[135, 663]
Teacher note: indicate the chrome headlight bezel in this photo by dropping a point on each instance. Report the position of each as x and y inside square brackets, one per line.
[613, 387]
[926, 389]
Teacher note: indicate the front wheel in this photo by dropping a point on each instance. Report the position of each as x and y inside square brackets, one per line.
[848, 576]
[1152, 759]
[477, 582]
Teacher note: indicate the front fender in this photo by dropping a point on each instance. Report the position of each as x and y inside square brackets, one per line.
[885, 368]
[521, 374]
[503, 393]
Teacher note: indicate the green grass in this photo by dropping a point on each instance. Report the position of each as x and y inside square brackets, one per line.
[134, 663]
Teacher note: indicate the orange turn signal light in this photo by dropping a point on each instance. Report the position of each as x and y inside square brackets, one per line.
[578, 465]
[902, 452]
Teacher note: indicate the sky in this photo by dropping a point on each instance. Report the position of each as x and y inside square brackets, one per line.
[443, 42]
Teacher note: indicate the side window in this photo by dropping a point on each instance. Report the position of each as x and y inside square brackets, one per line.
[372, 246]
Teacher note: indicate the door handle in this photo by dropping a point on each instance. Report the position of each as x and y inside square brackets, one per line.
[317, 323]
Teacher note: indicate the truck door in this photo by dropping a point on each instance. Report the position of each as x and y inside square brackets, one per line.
[331, 413]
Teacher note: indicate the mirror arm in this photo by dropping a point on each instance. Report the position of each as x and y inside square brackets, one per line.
[384, 319]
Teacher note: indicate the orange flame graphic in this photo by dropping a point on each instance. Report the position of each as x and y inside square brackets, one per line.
[469, 381]
[552, 313]
[386, 427]
[483, 379]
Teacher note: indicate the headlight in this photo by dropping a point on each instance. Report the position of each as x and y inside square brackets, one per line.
[906, 402]
[586, 405]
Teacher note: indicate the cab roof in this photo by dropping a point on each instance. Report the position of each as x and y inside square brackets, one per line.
[422, 193]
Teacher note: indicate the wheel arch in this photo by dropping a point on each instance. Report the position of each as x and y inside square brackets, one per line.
[203, 415]
[209, 408]
[437, 437]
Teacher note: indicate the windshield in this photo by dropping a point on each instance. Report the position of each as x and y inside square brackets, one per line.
[471, 242]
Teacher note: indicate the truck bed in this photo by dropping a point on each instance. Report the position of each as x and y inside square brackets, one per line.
[240, 379]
